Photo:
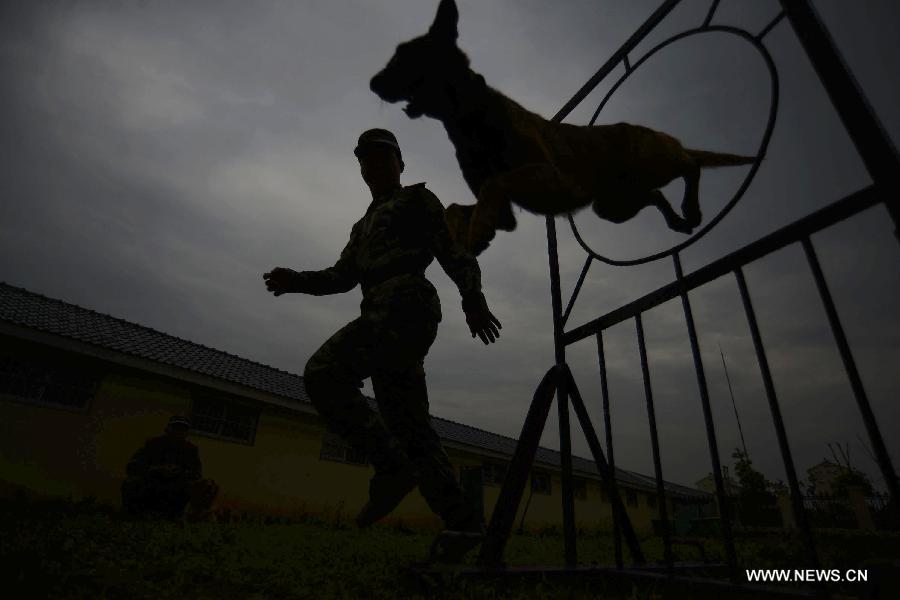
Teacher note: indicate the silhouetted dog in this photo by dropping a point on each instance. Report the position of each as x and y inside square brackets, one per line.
[508, 154]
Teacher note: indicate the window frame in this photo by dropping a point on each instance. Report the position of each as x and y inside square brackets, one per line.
[226, 402]
[348, 455]
[631, 497]
[537, 489]
[83, 380]
[490, 469]
[579, 488]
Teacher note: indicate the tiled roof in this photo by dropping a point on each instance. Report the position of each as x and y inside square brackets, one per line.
[34, 311]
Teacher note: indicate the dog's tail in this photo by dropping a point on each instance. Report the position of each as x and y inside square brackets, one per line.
[719, 159]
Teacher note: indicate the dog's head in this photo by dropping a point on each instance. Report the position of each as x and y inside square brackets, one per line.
[420, 68]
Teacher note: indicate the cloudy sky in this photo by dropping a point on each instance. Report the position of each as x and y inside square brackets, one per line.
[159, 157]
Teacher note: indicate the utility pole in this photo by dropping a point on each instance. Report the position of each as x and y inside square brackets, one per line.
[733, 404]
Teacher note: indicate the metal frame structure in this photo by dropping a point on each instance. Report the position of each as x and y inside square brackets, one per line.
[880, 159]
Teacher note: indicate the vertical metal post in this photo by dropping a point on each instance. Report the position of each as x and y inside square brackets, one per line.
[872, 143]
[859, 392]
[607, 423]
[602, 466]
[562, 401]
[654, 442]
[775, 409]
[721, 492]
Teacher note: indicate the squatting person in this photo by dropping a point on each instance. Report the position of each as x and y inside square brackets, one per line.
[402, 231]
[160, 475]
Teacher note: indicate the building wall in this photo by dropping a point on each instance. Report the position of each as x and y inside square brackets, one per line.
[79, 453]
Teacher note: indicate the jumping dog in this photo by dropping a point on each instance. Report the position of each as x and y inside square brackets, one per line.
[509, 154]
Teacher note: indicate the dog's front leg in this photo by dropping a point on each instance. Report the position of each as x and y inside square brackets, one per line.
[537, 187]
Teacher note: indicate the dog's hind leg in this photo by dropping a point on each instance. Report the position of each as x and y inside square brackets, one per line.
[675, 221]
[623, 205]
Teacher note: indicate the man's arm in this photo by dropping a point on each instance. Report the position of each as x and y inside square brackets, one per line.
[462, 268]
[342, 277]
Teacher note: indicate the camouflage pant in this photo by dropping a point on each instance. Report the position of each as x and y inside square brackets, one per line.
[391, 352]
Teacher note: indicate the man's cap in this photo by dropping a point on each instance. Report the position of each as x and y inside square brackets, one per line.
[376, 136]
[179, 420]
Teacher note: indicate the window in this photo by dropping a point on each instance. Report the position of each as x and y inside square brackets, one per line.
[224, 419]
[631, 498]
[579, 488]
[540, 483]
[60, 386]
[651, 501]
[335, 448]
[494, 473]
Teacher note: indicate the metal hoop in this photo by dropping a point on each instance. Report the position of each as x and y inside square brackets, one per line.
[770, 126]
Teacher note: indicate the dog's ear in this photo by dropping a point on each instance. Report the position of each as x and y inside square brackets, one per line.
[444, 26]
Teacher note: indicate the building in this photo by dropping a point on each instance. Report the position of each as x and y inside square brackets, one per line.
[708, 484]
[80, 391]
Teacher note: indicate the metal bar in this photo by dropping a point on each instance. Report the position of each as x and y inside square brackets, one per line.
[607, 422]
[859, 392]
[584, 270]
[504, 514]
[606, 474]
[778, 421]
[765, 30]
[658, 15]
[654, 442]
[833, 213]
[721, 492]
[562, 402]
[565, 452]
[627, 63]
[712, 11]
[874, 146]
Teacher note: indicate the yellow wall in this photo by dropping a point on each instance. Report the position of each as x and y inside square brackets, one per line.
[83, 453]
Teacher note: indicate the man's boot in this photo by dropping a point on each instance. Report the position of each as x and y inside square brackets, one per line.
[395, 477]
[460, 537]
[386, 491]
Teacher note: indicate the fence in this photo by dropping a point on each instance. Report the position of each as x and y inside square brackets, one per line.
[880, 159]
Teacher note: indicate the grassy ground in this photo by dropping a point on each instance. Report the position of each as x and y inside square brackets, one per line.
[60, 549]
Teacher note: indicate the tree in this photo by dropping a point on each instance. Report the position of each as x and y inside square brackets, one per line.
[849, 479]
[756, 500]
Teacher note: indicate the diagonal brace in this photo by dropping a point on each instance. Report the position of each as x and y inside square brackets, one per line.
[605, 472]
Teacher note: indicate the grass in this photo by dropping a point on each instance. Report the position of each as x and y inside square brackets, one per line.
[63, 549]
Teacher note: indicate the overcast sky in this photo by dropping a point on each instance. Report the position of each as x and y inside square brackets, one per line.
[159, 157]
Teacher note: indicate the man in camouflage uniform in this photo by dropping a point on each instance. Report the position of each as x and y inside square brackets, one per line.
[402, 231]
[160, 474]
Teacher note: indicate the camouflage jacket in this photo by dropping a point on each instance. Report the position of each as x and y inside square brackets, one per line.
[166, 450]
[388, 252]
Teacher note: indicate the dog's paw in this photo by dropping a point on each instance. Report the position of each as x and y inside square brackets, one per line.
[479, 239]
[457, 218]
[684, 228]
[506, 220]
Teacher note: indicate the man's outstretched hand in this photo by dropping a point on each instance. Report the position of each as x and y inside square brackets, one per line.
[281, 280]
[480, 320]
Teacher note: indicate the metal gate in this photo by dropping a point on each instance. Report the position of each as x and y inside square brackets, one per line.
[881, 161]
